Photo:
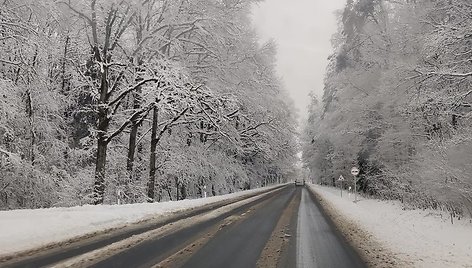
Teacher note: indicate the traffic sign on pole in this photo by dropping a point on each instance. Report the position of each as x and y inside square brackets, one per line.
[355, 171]
[341, 179]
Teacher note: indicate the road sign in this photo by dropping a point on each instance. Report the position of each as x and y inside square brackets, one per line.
[354, 171]
[341, 179]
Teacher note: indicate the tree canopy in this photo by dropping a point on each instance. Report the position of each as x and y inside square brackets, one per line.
[396, 103]
[142, 100]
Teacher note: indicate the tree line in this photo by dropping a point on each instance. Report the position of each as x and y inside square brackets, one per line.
[397, 103]
[106, 101]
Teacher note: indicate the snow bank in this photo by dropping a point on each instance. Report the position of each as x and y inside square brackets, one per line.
[424, 238]
[31, 228]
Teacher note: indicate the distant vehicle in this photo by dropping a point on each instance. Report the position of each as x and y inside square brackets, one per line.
[299, 182]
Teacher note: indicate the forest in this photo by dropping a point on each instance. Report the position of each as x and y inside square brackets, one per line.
[125, 101]
[397, 103]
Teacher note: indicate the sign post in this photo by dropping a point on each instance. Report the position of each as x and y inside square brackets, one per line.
[341, 179]
[355, 172]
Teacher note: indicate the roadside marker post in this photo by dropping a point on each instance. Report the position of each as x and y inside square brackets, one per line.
[341, 179]
[355, 172]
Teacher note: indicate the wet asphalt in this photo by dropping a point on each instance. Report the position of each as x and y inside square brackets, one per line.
[240, 245]
[319, 244]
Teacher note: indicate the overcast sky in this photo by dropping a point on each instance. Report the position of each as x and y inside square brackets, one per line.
[302, 30]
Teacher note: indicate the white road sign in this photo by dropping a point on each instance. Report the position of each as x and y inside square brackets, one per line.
[341, 178]
[354, 171]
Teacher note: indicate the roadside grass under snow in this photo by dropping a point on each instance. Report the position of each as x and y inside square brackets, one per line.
[27, 229]
[423, 238]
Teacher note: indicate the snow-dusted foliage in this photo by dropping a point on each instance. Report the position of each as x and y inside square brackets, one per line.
[132, 101]
[397, 103]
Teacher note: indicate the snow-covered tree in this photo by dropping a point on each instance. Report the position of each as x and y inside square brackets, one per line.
[396, 102]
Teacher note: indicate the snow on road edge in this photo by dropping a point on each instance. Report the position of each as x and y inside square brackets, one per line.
[26, 229]
[389, 236]
[92, 257]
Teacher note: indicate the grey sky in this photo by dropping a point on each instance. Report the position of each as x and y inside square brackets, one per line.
[302, 30]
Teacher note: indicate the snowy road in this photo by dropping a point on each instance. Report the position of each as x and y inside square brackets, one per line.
[60, 251]
[283, 228]
[241, 241]
[241, 244]
[318, 244]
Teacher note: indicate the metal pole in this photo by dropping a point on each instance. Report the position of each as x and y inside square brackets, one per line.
[341, 188]
[355, 189]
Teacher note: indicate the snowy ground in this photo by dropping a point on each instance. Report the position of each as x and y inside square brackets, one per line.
[418, 238]
[32, 228]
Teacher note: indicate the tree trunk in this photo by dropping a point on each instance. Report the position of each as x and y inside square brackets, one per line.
[29, 111]
[177, 189]
[131, 150]
[132, 138]
[155, 137]
[152, 159]
[169, 192]
[183, 191]
[100, 164]
[64, 79]
[102, 143]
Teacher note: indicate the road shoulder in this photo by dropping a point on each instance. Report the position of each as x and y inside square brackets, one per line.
[368, 248]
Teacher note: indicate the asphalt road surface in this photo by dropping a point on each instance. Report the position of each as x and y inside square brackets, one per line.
[241, 244]
[285, 228]
[318, 243]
